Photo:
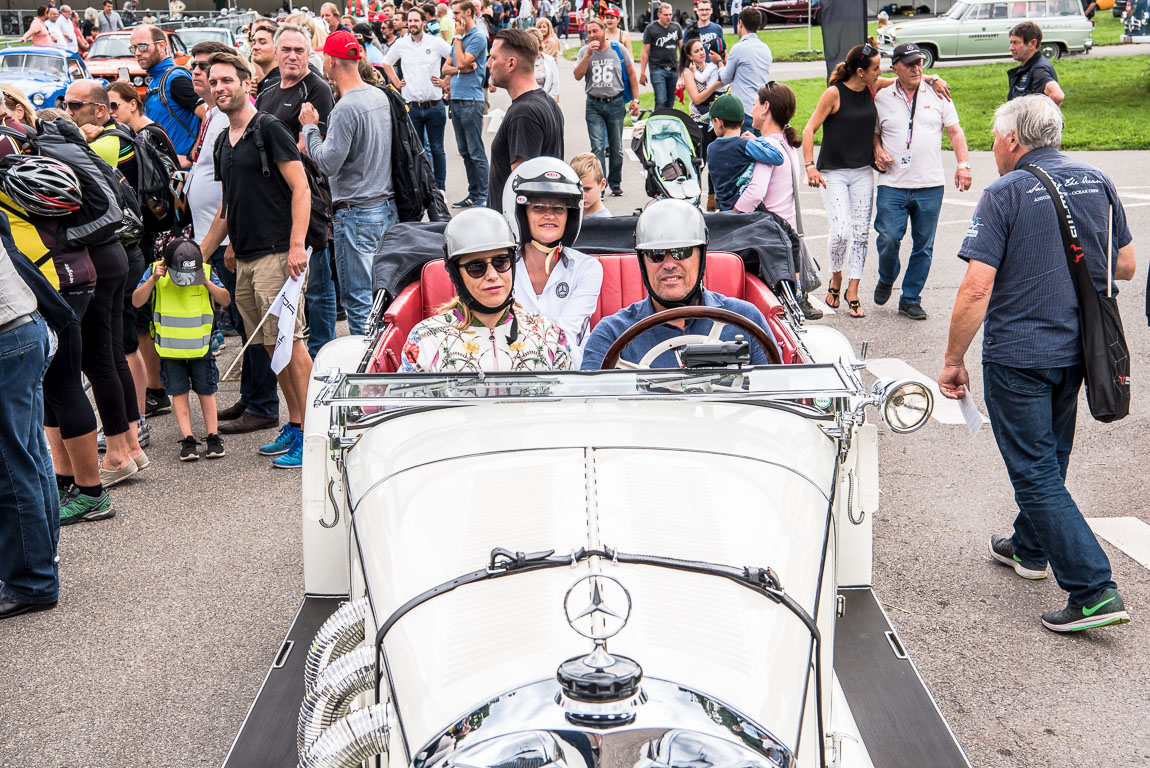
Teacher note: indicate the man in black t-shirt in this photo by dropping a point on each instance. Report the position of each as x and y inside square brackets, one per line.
[282, 93]
[533, 125]
[291, 83]
[661, 48]
[266, 219]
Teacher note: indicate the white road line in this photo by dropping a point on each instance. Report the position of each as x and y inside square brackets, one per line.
[494, 120]
[1137, 196]
[818, 304]
[963, 203]
[945, 411]
[941, 223]
[1129, 534]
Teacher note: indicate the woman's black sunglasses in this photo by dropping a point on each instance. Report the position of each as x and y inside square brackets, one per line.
[478, 268]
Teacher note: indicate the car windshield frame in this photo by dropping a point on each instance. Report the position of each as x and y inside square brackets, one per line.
[192, 35]
[111, 41]
[28, 61]
[956, 11]
[766, 382]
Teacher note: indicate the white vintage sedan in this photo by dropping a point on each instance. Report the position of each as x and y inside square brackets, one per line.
[607, 569]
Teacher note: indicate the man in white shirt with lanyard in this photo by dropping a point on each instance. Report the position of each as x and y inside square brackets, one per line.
[908, 154]
[421, 56]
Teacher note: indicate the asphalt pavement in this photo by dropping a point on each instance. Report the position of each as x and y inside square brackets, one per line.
[171, 612]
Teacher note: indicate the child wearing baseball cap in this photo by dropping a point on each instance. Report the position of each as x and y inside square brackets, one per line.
[180, 289]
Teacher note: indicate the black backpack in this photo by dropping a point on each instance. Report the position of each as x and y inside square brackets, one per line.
[319, 228]
[411, 177]
[106, 198]
[154, 179]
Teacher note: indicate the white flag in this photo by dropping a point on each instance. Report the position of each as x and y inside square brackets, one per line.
[285, 308]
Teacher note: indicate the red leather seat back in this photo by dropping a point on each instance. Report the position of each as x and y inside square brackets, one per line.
[622, 286]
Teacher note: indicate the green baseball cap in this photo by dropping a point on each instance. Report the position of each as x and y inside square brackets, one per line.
[728, 108]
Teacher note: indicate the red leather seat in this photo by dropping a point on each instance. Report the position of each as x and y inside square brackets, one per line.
[622, 286]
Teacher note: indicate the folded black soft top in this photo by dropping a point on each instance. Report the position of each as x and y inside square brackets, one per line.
[761, 239]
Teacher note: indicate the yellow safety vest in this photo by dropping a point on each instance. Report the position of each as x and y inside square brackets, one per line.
[182, 318]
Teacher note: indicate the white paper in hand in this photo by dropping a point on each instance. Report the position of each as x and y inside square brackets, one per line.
[970, 412]
[285, 307]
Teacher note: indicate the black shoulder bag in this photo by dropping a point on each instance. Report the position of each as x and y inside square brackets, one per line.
[1106, 358]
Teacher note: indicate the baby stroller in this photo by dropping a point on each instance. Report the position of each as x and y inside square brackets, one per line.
[669, 144]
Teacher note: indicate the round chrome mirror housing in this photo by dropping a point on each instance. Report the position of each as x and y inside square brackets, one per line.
[905, 404]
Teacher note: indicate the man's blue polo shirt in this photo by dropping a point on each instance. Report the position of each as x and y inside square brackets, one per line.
[1032, 316]
[469, 85]
[611, 328]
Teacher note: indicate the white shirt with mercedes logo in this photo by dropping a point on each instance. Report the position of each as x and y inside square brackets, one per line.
[421, 61]
[569, 298]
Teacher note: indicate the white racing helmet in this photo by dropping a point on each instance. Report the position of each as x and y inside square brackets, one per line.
[473, 231]
[668, 224]
[542, 177]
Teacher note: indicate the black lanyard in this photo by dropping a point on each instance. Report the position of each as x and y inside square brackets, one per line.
[913, 106]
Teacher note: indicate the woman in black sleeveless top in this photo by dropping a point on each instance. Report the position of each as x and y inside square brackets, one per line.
[847, 115]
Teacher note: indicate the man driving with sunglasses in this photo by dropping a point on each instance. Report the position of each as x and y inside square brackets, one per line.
[671, 242]
[483, 328]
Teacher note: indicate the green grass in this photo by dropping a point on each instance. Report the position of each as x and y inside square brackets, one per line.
[1107, 29]
[1104, 108]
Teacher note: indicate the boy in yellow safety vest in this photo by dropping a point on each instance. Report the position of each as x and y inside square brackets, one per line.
[180, 289]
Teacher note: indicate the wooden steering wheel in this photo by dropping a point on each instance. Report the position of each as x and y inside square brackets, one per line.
[721, 317]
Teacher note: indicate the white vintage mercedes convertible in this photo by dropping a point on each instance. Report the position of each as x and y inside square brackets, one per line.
[608, 569]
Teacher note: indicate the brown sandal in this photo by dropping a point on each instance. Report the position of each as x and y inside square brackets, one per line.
[855, 308]
[833, 297]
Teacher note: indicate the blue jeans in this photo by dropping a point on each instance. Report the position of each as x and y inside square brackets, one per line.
[663, 81]
[29, 501]
[605, 128]
[467, 118]
[1032, 411]
[433, 120]
[357, 235]
[319, 301]
[892, 208]
[258, 391]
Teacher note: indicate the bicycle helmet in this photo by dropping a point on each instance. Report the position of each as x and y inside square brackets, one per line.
[671, 223]
[473, 231]
[40, 185]
[542, 177]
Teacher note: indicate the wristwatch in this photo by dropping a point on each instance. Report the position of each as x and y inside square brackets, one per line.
[965, 166]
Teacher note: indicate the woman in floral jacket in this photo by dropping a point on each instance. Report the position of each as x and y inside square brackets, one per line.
[483, 329]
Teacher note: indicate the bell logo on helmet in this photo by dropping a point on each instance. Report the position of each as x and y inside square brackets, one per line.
[520, 199]
[552, 175]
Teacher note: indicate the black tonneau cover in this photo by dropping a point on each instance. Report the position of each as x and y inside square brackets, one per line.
[761, 239]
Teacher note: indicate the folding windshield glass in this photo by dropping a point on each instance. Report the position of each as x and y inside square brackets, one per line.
[956, 11]
[38, 62]
[777, 382]
[110, 47]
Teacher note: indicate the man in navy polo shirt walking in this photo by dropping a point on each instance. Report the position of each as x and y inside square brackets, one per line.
[1017, 279]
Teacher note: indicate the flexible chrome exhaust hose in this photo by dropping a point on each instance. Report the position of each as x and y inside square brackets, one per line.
[350, 741]
[342, 632]
[344, 679]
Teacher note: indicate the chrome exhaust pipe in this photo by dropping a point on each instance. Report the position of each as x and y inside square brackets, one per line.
[342, 632]
[349, 742]
[342, 681]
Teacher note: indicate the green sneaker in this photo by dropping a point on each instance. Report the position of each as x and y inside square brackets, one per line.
[1002, 550]
[1105, 610]
[79, 507]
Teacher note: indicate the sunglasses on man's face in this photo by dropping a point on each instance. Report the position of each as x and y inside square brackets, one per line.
[132, 49]
[76, 106]
[676, 254]
[478, 268]
[203, 66]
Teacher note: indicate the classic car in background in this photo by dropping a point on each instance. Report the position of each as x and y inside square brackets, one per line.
[793, 11]
[43, 74]
[613, 569]
[980, 29]
[110, 58]
[192, 35]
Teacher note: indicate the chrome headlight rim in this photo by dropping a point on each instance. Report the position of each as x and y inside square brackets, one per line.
[892, 392]
[38, 99]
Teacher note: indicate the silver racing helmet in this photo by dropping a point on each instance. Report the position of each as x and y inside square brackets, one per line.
[543, 177]
[476, 230]
[671, 224]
